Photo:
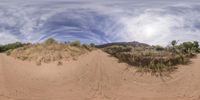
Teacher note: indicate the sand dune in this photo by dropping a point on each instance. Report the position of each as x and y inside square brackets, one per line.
[94, 76]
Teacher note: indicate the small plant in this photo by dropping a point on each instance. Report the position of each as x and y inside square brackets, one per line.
[8, 52]
[38, 63]
[59, 63]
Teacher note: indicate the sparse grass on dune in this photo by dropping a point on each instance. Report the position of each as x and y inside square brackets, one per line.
[154, 59]
[51, 51]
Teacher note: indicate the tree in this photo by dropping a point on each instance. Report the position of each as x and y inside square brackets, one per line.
[196, 44]
[174, 43]
[188, 46]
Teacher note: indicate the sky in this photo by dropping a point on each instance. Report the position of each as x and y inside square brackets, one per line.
[156, 22]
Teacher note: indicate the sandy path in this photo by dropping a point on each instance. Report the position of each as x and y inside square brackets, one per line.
[95, 76]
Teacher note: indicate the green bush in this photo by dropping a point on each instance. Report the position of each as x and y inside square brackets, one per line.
[189, 47]
[11, 46]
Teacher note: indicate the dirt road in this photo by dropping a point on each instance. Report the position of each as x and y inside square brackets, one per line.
[94, 76]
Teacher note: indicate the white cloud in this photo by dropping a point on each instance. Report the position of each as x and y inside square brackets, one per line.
[7, 38]
[159, 26]
[154, 22]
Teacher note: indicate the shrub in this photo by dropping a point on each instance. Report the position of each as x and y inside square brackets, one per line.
[116, 49]
[196, 44]
[88, 47]
[92, 44]
[159, 48]
[174, 43]
[11, 46]
[8, 52]
[155, 59]
[189, 47]
[76, 43]
[59, 63]
[50, 41]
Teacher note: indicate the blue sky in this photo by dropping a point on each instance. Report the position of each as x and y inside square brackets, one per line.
[100, 21]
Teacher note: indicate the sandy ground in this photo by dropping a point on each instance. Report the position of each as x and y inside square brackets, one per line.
[94, 76]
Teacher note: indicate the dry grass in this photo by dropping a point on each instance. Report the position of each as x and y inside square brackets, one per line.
[50, 51]
[149, 59]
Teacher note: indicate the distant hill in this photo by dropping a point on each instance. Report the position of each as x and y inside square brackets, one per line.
[133, 43]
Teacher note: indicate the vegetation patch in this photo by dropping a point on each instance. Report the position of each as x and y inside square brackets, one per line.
[11, 46]
[51, 51]
[156, 59]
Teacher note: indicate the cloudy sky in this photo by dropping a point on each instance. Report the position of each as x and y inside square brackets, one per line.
[100, 21]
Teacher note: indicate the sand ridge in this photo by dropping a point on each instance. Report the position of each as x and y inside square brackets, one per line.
[94, 76]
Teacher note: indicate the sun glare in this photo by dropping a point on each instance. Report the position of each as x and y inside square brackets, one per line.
[149, 31]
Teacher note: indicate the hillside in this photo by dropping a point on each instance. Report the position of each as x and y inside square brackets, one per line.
[94, 76]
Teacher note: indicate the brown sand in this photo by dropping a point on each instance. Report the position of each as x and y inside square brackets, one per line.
[94, 76]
